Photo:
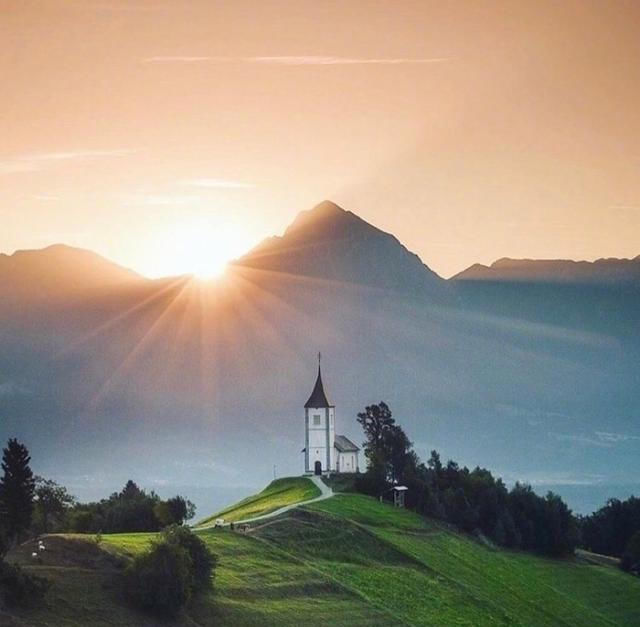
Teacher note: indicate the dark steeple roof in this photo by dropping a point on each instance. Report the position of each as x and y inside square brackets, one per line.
[318, 398]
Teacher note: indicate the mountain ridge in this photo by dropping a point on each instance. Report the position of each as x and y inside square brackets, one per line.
[610, 269]
[325, 224]
[56, 270]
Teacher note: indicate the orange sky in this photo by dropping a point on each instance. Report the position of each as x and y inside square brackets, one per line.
[157, 132]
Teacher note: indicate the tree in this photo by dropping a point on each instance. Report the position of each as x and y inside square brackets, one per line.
[375, 420]
[181, 509]
[16, 490]
[160, 580]
[202, 560]
[52, 501]
[398, 453]
[434, 462]
[131, 491]
[177, 566]
[631, 556]
[609, 529]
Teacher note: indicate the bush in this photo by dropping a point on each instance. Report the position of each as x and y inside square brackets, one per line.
[160, 580]
[176, 567]
[202, 560]
[19, 588]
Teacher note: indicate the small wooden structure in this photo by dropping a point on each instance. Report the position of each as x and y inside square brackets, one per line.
[398, 495]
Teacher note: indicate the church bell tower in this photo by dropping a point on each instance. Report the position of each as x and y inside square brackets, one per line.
[319, 431]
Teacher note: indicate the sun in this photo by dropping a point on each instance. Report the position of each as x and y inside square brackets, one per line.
[202, 248]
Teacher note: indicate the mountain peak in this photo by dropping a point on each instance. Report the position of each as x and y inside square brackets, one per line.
[332, 243]
[324, 216]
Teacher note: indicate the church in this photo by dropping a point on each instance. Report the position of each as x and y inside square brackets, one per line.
[324, 451]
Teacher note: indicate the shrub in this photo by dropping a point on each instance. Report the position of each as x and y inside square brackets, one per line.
[161, 579]
[20, 588]
[202, 560]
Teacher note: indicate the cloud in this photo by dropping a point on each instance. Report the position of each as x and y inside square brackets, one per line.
[533, 416]
[317, 60]
[169, 200]
[77, 155]
[38, 161]
[580, 438]
[217, 183]
[181, 59]
[558, 478]
[297, 60]
[614, 438]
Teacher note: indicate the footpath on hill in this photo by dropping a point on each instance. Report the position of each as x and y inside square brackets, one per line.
[325, 493]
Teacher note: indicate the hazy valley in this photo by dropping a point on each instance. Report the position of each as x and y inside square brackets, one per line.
[528, 368]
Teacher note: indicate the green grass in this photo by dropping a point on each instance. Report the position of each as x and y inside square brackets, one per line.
[277, 494]
[341, 483]
[259, 584]
[470, 584]
[348, 560]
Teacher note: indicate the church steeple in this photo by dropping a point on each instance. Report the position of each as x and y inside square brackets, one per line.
[318, 398]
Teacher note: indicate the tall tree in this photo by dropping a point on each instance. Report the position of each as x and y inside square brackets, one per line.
[398, 453]
[375, 421]
[52, 500]
[16, 490]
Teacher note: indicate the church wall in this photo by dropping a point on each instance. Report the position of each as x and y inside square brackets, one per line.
[319, 438]
[347, 462]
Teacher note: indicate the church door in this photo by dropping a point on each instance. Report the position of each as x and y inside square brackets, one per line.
[318, 468]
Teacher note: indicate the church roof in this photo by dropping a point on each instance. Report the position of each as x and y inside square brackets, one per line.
[318, 398]
[344, 444]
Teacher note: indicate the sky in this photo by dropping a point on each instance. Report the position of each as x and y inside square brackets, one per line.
[171, 136]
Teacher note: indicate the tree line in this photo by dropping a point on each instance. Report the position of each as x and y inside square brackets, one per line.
[615, 530]
[31, 505]
[473, 500]
[162, 580]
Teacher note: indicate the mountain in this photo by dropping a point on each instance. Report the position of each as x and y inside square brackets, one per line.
[332, 244]
[199, 388]
[57, 271]
[602, 271]
[602, 296]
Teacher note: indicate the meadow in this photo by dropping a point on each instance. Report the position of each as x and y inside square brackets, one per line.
[277, 494]
[348, 560]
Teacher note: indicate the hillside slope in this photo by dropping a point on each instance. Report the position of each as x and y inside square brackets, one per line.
[277, 494]
[350, 560]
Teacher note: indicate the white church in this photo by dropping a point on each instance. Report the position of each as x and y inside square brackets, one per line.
[324, 451]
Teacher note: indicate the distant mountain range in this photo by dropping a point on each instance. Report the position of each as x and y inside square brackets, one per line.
[529, 368]
[602, 271]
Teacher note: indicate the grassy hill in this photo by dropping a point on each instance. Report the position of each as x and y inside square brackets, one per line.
[277, 494]
[348, 560]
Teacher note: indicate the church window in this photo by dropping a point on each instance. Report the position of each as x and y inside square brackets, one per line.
[316, 419]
